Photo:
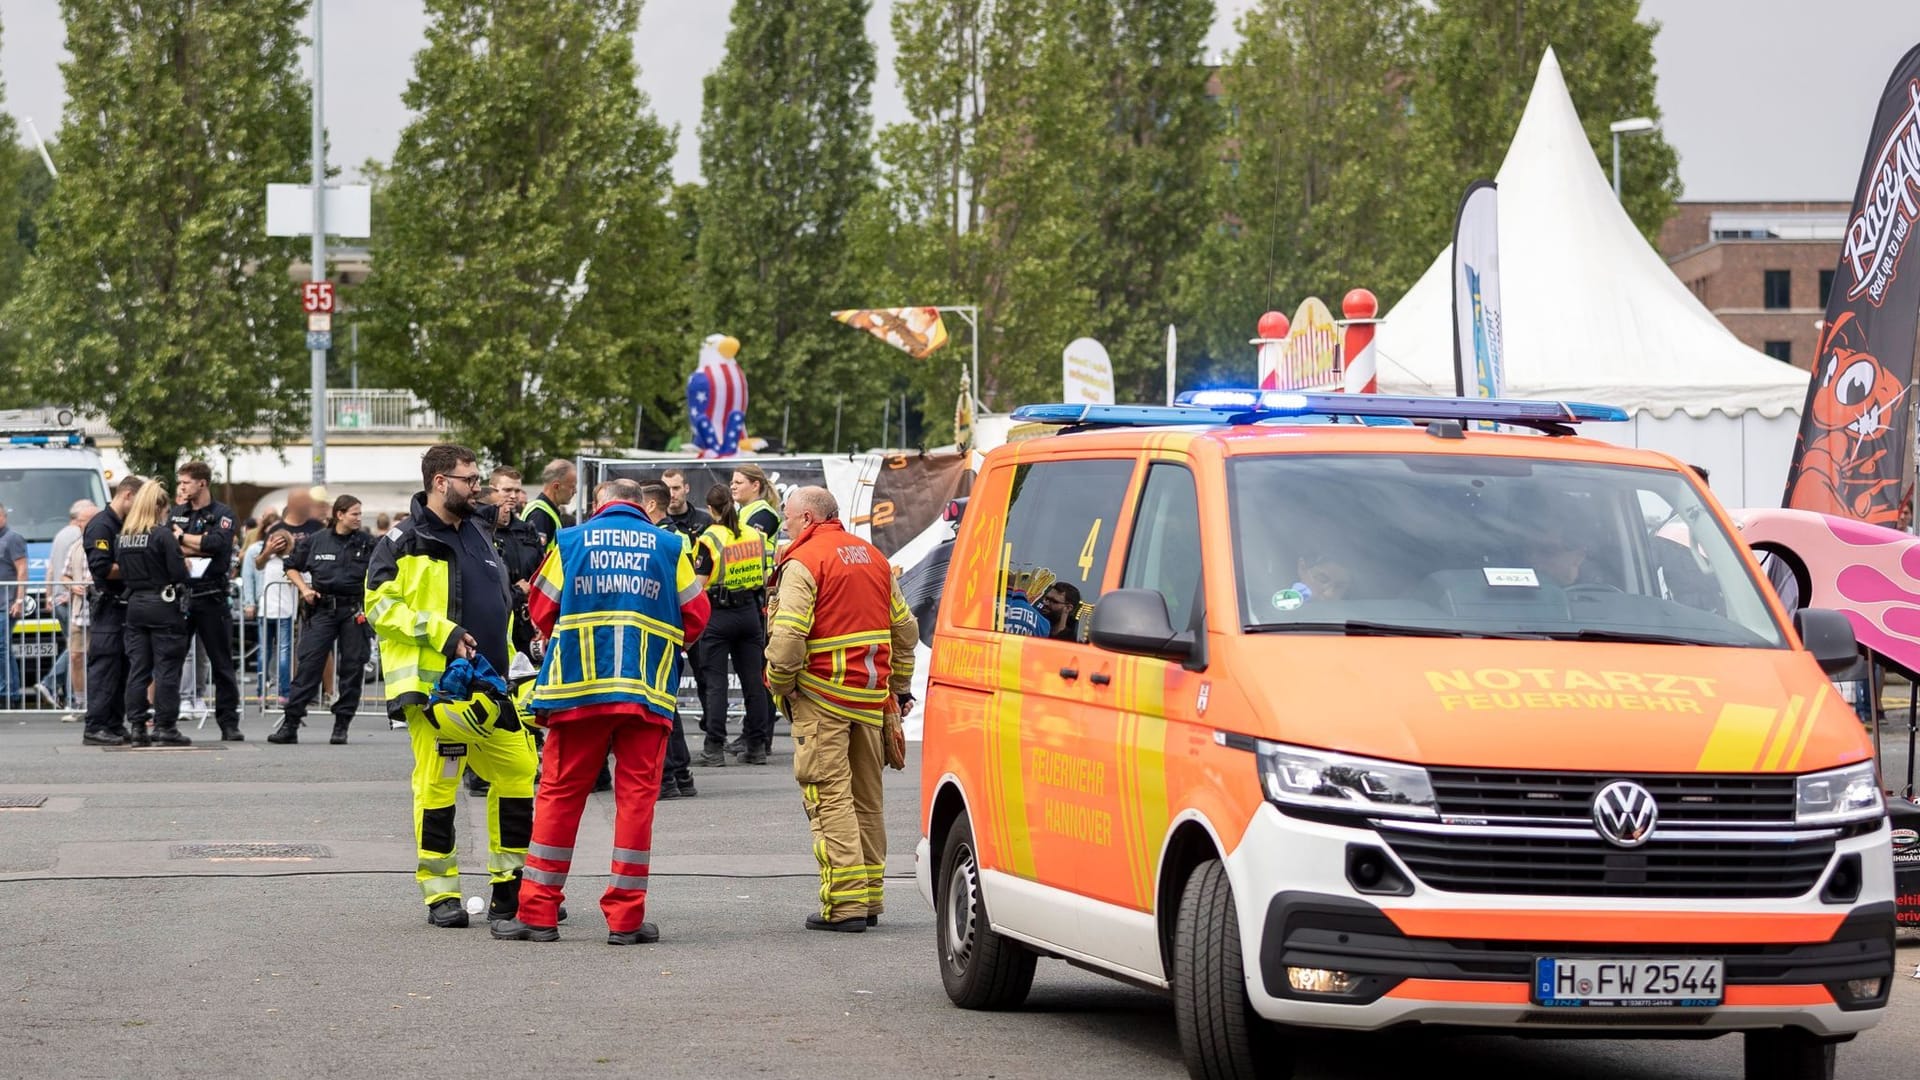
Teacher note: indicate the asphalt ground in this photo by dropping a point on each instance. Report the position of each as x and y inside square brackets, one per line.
[119, 959]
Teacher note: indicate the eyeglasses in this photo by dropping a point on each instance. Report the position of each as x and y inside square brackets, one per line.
[469, 479]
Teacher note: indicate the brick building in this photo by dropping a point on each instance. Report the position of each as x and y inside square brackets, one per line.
[1763, 268]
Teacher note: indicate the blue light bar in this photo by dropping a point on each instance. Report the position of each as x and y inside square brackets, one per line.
[44, 440]
[1278, 403]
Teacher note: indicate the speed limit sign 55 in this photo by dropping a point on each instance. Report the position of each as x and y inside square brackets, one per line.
[316, 296]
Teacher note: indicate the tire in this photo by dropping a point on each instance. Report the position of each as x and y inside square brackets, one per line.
[1788, 1054]
[1221, 1036]
[979, 968]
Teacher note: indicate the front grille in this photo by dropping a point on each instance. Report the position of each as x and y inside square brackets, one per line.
[1690, 800]
[1461, 861]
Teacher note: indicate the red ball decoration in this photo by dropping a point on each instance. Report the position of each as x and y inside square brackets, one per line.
[1360, 304]
[1273, 325]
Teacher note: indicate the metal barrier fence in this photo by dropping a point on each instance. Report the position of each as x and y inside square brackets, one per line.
[37, 671]
[276, 634]
[43, 655]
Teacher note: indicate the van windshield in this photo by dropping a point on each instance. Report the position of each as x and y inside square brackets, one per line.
[1452, 545]
[37, 500]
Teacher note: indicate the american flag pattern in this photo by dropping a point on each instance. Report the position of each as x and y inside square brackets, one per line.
[717, 398]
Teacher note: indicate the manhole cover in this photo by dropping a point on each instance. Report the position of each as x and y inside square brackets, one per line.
[249, 851]
[22, 802]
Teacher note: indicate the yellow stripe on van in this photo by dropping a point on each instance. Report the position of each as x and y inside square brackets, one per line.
[1128, 765]
[1739, 736]
[1789, 726]
[1806, 729]
[1013, 788]
[1150, 794]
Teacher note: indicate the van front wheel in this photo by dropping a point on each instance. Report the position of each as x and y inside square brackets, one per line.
[979, 968]
[1221, 1036]
[1788, 1054]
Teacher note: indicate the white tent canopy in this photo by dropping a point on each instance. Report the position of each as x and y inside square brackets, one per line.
[1590, 312]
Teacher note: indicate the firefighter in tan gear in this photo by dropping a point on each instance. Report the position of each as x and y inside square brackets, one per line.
[839, 661]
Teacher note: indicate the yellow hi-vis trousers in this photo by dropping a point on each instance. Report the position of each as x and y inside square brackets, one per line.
[506, 760]
[837, 762]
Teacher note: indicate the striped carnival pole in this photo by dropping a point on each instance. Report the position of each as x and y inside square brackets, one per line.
[1362, 374]
[1270, 337]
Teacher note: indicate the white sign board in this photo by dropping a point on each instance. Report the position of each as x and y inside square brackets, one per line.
[1087, 373]
[349, 210]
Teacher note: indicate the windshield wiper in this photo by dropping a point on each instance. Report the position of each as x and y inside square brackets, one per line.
[1366, 628]
[1640, 637]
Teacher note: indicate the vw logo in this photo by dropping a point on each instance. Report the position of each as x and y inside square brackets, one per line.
[1625, 813]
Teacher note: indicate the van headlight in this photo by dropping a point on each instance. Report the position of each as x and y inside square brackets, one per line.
[1294, 776]
[1838, 795]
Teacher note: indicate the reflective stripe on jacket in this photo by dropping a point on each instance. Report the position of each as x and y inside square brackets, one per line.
[841, 633]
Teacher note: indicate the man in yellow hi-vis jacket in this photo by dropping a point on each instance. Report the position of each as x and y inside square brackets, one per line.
[436, 593]
[839, 653]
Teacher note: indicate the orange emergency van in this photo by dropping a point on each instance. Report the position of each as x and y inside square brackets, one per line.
[1351, 712]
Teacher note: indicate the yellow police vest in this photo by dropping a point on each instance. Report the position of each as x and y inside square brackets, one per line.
[739, 558]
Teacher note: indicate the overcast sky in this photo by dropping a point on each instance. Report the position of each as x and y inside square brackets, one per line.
[1762, 100]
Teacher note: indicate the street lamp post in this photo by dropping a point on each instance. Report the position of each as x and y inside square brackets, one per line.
[1636, 125]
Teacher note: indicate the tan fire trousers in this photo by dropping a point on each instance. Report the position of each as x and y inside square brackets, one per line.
[837, 761]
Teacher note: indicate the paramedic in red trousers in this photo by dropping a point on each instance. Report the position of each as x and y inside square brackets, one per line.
[616, 600]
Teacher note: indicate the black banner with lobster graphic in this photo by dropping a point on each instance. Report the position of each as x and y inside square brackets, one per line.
[1851, 456]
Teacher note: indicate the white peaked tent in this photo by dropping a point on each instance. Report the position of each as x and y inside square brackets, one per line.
[1590, 312]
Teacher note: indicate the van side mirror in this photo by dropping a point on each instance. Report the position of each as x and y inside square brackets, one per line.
[1829, 637]
[1136, 621]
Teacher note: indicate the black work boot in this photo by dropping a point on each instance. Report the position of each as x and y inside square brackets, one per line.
[755, 755]
[712, 754]
[448, 914]
[102, 738]
[230, 731]
[339, 737]
[138, 735]
[286, 733]
[505, 903]
[170, 736]
[856, 924]
[515, 930]
[647, 934]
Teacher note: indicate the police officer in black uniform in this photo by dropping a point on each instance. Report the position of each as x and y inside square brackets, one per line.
[330, 570]
[156, 579]
[205, 529]
[106, 647]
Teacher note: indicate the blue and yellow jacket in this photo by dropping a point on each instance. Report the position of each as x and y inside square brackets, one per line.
[617, 600]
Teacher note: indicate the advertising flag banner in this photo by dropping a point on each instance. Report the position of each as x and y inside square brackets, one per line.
[717, 398]
[1855, 433]
[916, 331]
[1308, 359]
[1087, 372]
[1477, 366]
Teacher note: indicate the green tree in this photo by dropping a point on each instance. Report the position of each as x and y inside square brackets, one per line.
[989, 184]
[1311, 186]
[1477, 65]
[526, 283]
[1144, 190]
[785, 151]
[154, 296]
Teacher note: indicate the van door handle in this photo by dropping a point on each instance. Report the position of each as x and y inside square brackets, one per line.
[1100, 678]
[1069, 673]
